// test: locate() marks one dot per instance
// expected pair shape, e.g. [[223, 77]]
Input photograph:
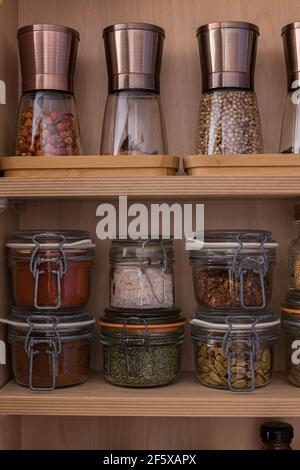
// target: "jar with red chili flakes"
[[47, 123], [51, 270]]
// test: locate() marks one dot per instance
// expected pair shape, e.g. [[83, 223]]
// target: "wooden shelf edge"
[[151, 187], [187, 398]]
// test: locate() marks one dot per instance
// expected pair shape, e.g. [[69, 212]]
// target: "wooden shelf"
[[151, 187], [185, 399]]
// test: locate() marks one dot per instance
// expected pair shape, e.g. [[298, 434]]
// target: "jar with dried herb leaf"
[[233, 269], [142, 351], [290, 321], [50, 352], [142, 274], [294, 256], [234, 352]]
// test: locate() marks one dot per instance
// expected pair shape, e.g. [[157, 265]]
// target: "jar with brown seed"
[[233, 270], [234, 352]]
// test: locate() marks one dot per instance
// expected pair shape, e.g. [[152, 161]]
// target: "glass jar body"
[[133, 124], [48, 289], [290, 129], [140, 361], [142, 275], [47, 125], [229, 123], [217, 286], [294, 264], [292, 344]]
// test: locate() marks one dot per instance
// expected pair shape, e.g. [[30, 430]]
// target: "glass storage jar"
[[234, 352], [233, 270], [294, 257], [133, 122], [276, 435], [290, 129], [51, 270], [142, 275], [49, 352], [47, 123], [229, 121], [142, 351], [290, 321]]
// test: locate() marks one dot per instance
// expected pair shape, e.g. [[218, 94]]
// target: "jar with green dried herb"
[[294, 256], [290, 321], [233, 270], [234, 352], [142, 351]]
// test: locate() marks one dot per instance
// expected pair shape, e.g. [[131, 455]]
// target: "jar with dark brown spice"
[[229, 121], [233, 270], [234, 352], [49, 352]]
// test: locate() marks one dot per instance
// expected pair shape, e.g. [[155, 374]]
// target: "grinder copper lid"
[[227, 54], [48, 55], [133, 56], [291, 44]]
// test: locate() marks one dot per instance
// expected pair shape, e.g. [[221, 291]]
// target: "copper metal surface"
[[133, 56], [227, 54], [48, 55]]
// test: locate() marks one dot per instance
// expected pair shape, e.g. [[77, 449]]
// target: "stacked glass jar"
[[290, 318], [50, 331], [234, 330], [142, 332]]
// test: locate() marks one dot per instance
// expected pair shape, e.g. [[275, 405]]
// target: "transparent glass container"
[[229, 123], [290, 129], [234, 352], [290, 321], [133, 124], [47, 124], [294, 257], [234, 270], [141, 351], [142, 275]]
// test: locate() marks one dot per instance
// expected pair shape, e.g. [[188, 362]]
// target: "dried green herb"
[[143, 367]]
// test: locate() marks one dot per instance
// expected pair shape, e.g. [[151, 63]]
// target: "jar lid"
[[276, 431], [228, 24], [232, 239], [135, 322], [50, 239], [141, 248], [156, 315], [235, 322], [40, 322]]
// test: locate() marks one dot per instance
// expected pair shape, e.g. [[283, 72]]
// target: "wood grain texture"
[[160, 187], [185, 399]]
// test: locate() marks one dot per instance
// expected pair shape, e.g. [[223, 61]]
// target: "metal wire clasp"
[[145, 264], [234, 346], [256, 263], [58, 264], [137, 340], [35, 346]]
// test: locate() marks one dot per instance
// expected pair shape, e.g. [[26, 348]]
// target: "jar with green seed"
[[142, 351], [234, 352], [290, 322]]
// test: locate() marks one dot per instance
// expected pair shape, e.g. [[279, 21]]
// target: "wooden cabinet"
[[185, 415]]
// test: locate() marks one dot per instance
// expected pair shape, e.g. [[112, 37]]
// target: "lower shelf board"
[[187, 398]]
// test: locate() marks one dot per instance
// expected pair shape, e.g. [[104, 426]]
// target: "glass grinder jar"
[[133, 121], [229, 121], [47, 123], [290, 130]]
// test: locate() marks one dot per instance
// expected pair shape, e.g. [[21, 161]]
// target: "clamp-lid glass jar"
[[234, 352], [51, 270], [142, 351], [47, 123], [294, 256], [290, 322], [233, 269], [49, 352], [142, 274], [229, 120]]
